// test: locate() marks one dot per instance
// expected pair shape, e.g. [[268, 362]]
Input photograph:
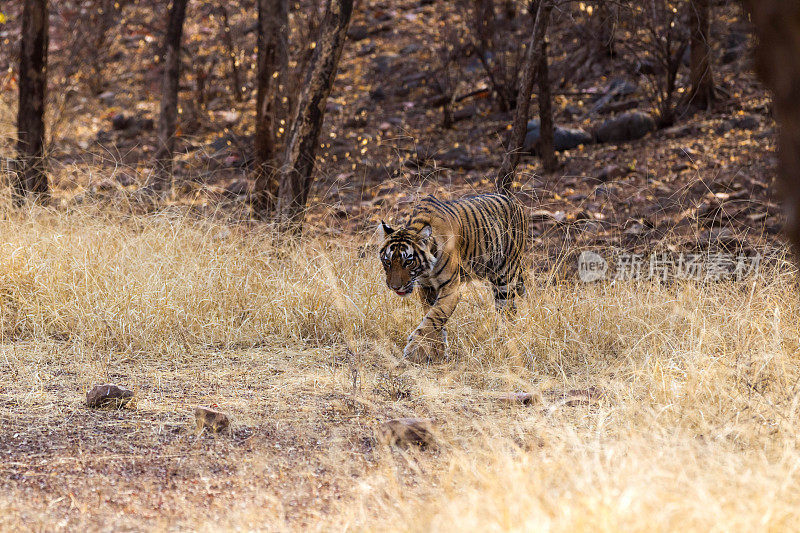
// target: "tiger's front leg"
[[429, 341]]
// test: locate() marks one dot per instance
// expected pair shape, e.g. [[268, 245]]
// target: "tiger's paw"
[[425, 348]]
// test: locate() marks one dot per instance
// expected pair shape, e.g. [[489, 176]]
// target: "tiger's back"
[[490, 233]]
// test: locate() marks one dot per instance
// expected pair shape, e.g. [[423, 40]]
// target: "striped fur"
[[446, 244]]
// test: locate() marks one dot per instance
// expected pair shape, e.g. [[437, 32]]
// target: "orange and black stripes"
[[446, 243]]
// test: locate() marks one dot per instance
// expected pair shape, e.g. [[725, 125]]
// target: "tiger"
[[445, 244]]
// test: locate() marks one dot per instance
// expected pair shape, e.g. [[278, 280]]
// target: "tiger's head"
[[407, 255]]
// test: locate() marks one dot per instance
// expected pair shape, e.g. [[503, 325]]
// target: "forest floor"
[[696, 424], [692, 424]]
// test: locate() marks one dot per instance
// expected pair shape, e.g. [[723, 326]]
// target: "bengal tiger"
[[445, 244]]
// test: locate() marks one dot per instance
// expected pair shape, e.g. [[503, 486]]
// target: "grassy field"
[[300, 344]]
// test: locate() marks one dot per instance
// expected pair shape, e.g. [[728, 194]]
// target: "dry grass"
[[300, 344]]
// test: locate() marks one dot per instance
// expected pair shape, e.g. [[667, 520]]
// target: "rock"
[[104, 185], [732, 54], [465, 112], [358, 32], [384, 64], [377, 94], [743, 122], [408, 431], [107, 97], [237, 188], [648, 67], [367, 49], [514, 398], [676, 132], [108, 395], [125, 179], [543, 215], [735, 47], [229, 118], [723, 127], [120, 122], [766, 134], [356, 122], [412, 48], [571, 111], [563, 138], [746, 122], [145, 123], [610, 172], [626, 127], [574, 397], [211, 419]]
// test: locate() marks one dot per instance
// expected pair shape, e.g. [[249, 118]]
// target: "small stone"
[[358, 32], [106, 97], [377, 94], [676, 132], [237, 188], [747, 122], [513, 398], [211, 419], [120, 122], [610, 172], [229, 118], [575, 397], [108, 395], [680, 167], [408, 431]]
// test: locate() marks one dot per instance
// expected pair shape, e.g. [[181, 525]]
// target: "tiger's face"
[[406, 257]]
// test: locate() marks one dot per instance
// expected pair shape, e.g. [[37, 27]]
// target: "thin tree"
[[273, 58], [702, 94], [519, 127], [777, 25], [30, 177], [296, 174], [606, 20], [546, 149], [230, 45], [168, 119]]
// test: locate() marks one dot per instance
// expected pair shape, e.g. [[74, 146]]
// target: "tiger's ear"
[[384, 230], [425, 233]]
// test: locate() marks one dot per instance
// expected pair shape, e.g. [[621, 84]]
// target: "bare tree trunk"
[[777, 25], [298, 164], [236, 84], [546, 150], [606, 21], [702, 76], [168, 120], [484, 22], [273, 58], [511, 159], [30, 177]]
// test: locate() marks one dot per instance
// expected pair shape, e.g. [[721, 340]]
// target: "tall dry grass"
[[698, 429]]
